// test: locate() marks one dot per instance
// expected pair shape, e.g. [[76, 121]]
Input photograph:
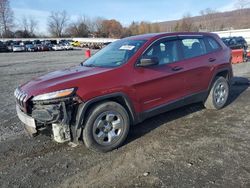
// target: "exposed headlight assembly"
[[54, 95]]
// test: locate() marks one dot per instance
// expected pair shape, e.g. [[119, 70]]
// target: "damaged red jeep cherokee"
[[123, 84]]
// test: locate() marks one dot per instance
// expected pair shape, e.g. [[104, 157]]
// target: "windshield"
[[115, 54]]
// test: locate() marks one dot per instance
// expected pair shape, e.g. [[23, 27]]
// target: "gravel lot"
[[187, 147]]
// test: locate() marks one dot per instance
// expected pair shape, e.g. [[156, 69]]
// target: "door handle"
[[211, 59], [176, 68]]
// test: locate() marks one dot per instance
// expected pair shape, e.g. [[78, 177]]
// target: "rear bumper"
[[29, 122]]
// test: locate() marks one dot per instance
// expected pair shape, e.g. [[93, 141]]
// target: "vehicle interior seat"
[[196, 49], [158, 53]]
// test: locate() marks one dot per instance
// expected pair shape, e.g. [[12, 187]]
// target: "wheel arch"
[[225, 72], [120, 98]]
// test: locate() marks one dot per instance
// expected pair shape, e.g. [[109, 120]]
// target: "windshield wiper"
[[87, 65]]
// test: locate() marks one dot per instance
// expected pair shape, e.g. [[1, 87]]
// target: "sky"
[[124, 11]]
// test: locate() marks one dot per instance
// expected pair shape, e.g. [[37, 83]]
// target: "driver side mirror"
[[145, 62]]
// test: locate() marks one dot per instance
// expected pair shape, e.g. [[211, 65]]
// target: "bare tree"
[[154, 28], [57, 23], [208, 17], [32, 25], [186, 24], [79, 28], [90, 22], [134, 28], [241, 4], [142, 27], [95, 26], [29, 25], [6, 17]]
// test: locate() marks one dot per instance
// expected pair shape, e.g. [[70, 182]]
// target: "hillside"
[[215, 21]]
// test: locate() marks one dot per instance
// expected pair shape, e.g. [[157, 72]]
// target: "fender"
[[216, 72], [81, 112]]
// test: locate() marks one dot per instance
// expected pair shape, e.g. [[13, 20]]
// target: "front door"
[[163, 83]]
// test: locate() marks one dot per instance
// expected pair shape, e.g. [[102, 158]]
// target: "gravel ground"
[[187, 147]]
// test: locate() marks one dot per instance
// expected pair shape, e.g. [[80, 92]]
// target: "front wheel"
[[218, 95], [106, 127]]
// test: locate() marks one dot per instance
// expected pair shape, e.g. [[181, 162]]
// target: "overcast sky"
[[125, 11]]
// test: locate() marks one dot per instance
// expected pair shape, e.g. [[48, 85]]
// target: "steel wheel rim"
[[108, 128], [220, 94]]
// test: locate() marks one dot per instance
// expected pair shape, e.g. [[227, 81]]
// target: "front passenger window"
[[166, 52]]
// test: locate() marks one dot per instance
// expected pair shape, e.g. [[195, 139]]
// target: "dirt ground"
[[187, 147]]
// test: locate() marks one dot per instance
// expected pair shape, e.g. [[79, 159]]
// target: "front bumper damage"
[[29, 122], [56, 116]]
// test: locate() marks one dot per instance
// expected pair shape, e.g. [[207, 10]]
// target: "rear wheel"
[[218, 95], [106, 127]]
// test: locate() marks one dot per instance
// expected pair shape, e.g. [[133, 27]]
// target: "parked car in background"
[[18, 48], [3, 47], [36, 42], [39, 47], [26, 42], [125, 83], [31, 47], [49, 45], [18, 42], [67, 46], [76, 43], [54, 42], [9, 45], [57, 47], [45, 47], [62, 42], [237, 43], [70, 41]]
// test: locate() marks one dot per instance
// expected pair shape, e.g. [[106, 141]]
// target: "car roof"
[[160, 35]]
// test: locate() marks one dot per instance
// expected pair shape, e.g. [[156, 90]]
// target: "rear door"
[[197, 63]]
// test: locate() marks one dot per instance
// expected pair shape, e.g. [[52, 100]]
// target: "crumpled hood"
[[61, 79]]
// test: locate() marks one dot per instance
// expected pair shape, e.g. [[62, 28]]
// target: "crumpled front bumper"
[[52, 118], [29, 122]]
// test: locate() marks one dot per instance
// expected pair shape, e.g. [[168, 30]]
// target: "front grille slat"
[[23, 99], [20, 97]]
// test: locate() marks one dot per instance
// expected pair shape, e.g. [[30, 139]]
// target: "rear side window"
[[212, 45], [193, 47]]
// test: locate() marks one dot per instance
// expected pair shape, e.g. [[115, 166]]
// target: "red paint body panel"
[[146, 88]]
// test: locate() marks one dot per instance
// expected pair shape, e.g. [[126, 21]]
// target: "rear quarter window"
[[212, 45]]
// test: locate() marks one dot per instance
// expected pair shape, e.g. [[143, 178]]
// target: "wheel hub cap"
[[220, 94], [108, 128]]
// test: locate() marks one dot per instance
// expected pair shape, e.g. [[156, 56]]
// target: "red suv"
[[123, 84]]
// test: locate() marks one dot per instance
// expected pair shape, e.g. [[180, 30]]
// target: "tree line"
[[59, 24]]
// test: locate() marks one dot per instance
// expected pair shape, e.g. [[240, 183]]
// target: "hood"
[[61, 79]]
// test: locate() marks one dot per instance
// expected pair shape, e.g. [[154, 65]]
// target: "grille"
[[20, 97]]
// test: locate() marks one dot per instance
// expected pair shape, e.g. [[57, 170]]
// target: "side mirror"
[[145, 62]]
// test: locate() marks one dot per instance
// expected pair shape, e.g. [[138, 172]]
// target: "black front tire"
[[99, 122]]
